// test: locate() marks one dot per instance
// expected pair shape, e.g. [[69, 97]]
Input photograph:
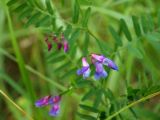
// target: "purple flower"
[[60, 43], [50, 100], [98, 58], [100, 72], [54, 110], [102, 59], [48, 44], [59, 46], [65, 43], [85, 70], [110, 64], [43, 101], [54, 100]]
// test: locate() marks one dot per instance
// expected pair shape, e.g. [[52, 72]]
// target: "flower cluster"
[[98, 61], [50, 100], [59, 42]]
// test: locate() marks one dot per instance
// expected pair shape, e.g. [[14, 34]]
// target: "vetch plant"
[[100, 86]]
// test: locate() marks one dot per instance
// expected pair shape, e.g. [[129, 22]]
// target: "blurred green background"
[[28, 71]]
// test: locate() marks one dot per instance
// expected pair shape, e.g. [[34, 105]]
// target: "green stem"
[[17, 106], [45, 78], [57, 85], [66, 91], [29, 68], [129, 63], [24, 74], [132, 104]]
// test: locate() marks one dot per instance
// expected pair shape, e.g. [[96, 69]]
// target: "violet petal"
[[54, 110], [110, 64], [100, 72], [43, 101], [54, 99]]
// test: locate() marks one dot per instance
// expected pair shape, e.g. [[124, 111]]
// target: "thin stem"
[[97, 40], [24, 74], [45, 78], [92, 34], [29, 68], [68, 90], [17, 106], [132, 104]]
